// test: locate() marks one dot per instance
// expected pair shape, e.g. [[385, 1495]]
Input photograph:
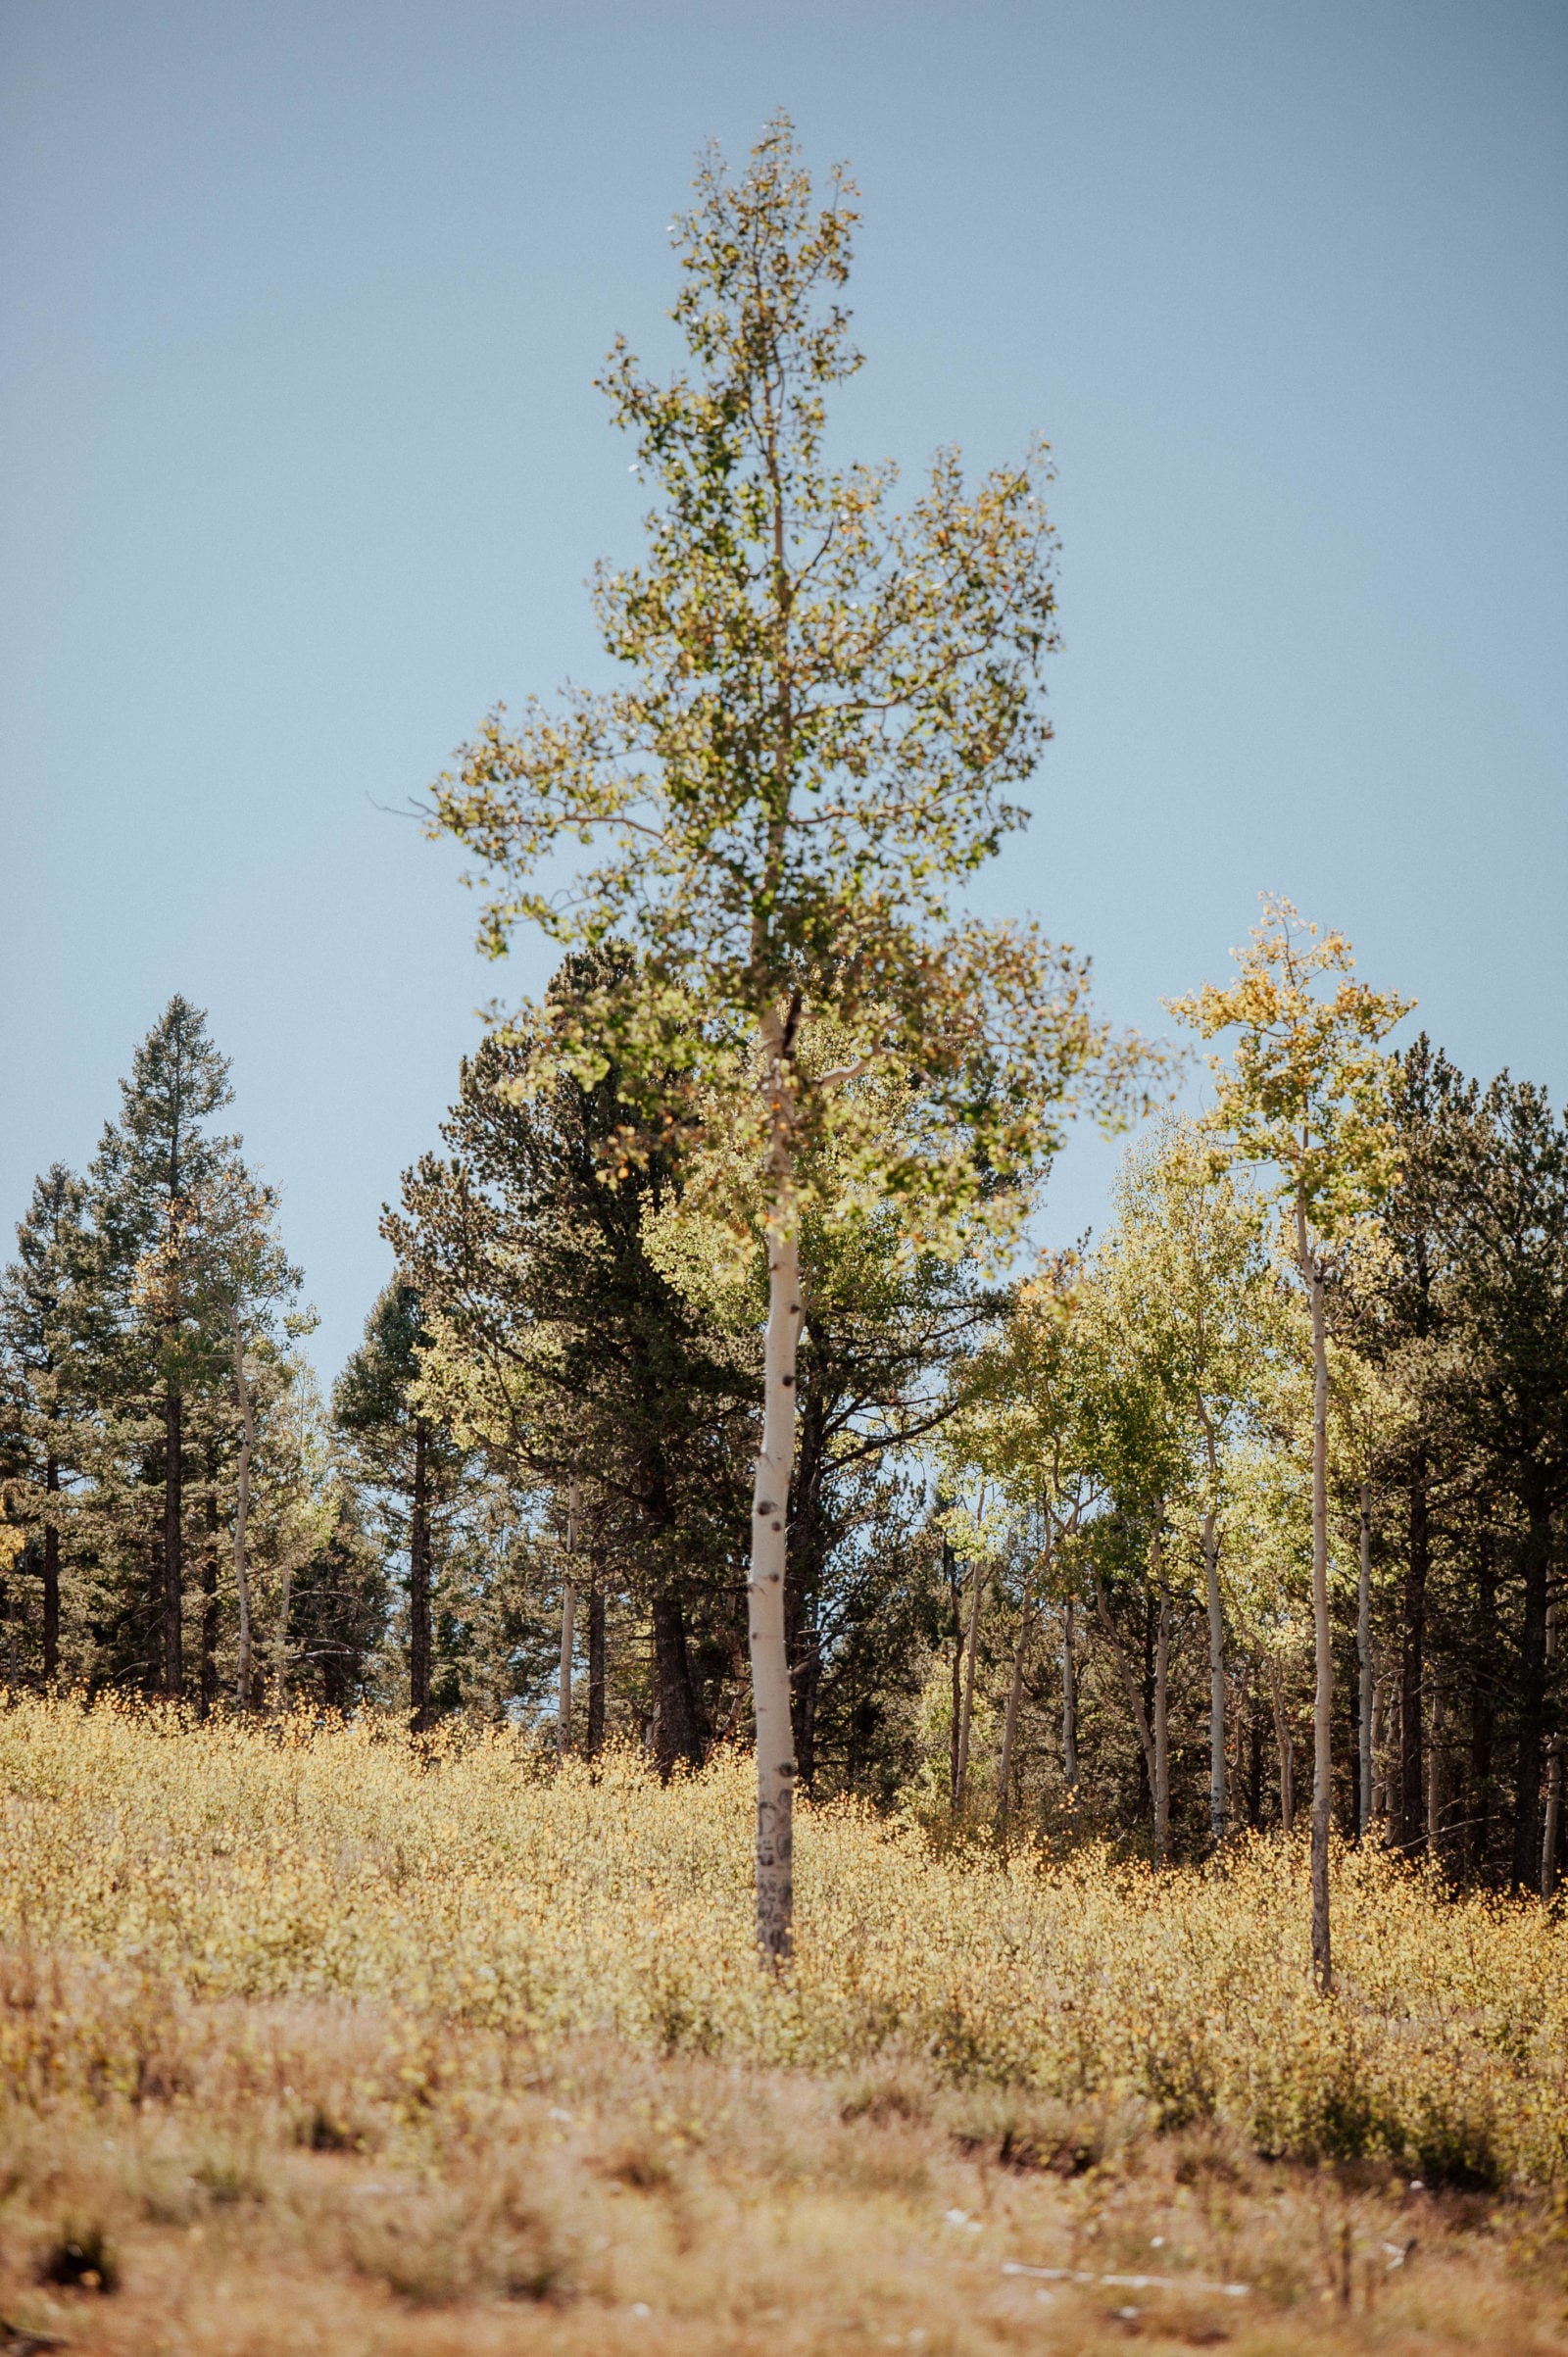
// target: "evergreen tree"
[[150, 1164], [44, 1319], [402, 1459]]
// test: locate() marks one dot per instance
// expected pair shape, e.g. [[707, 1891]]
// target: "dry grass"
[[308, 2047]]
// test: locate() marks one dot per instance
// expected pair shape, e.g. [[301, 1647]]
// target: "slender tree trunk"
[[1323, 1637], [1551, 1832], [1435, 1725], [1254, 1759], [569, 1624], [285, 1603], [1009, 1723], [1483, 1704], [1161, 1711], [1413, 1668], [242, 1503], [1532, 1690], [1134, 1700], [209, 1671], [1217, 1807], [769, 1655], [1286, 1743], [949, 1572], [51, 1577], [1379, 1781], [1069, 1700], [971, 1647], [1363, 1656], [419, 1582], [173, 1526], [596, 1657]]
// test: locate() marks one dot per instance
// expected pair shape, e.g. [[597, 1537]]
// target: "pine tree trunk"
[[1435, 1781], [1323, 1642], [1363, 1656], [419, 1582], [1413, 1668], [769, 1655], [678, 1732], [51, 1580], [1217, 1805], [174, 1527]]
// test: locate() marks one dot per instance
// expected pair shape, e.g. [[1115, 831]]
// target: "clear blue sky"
[[301, 468]]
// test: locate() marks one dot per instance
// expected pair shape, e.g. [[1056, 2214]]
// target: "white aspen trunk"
[[770, 1669], [1217, 1810], [1363, 1656], [1069, 1700], [1551, 1830], [1286, 1746], [569, 1624], [972, 1643], [1379, 1797], [242, 1502], [1322, 1633], [1009, 1723]]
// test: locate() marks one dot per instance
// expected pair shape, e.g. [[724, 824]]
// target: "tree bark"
[[173, 1526], [1069, 1701], [1284, 1743], [1217, 1804], [51, 1577], [1323, 1640], [1412, 1667], [1483, 1704], [1552, 1832], [971, 1647], [1161, 1711], [1134, 1700], [569, 1624], [769, 1654], [678, 1733], [1009, 1723], [1363, 1656], [596, 1658], [419, 1582], [209, 1670], [1532, 1689], [242, 1501]]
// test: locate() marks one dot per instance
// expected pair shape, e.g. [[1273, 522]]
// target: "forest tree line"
[[1048, 1538]]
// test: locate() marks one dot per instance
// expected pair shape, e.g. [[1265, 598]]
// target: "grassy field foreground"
[[311, 2045]]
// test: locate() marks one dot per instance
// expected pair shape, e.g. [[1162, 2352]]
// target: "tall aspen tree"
[[824, 706], [1309, 1096]]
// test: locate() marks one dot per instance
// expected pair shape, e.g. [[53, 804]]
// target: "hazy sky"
[[301, 468]]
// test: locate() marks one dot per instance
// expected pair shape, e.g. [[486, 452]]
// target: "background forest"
[[1050, 1536]]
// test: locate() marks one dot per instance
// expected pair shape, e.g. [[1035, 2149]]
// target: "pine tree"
[[44, 1318], [149, 1165], [404, 1462]]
